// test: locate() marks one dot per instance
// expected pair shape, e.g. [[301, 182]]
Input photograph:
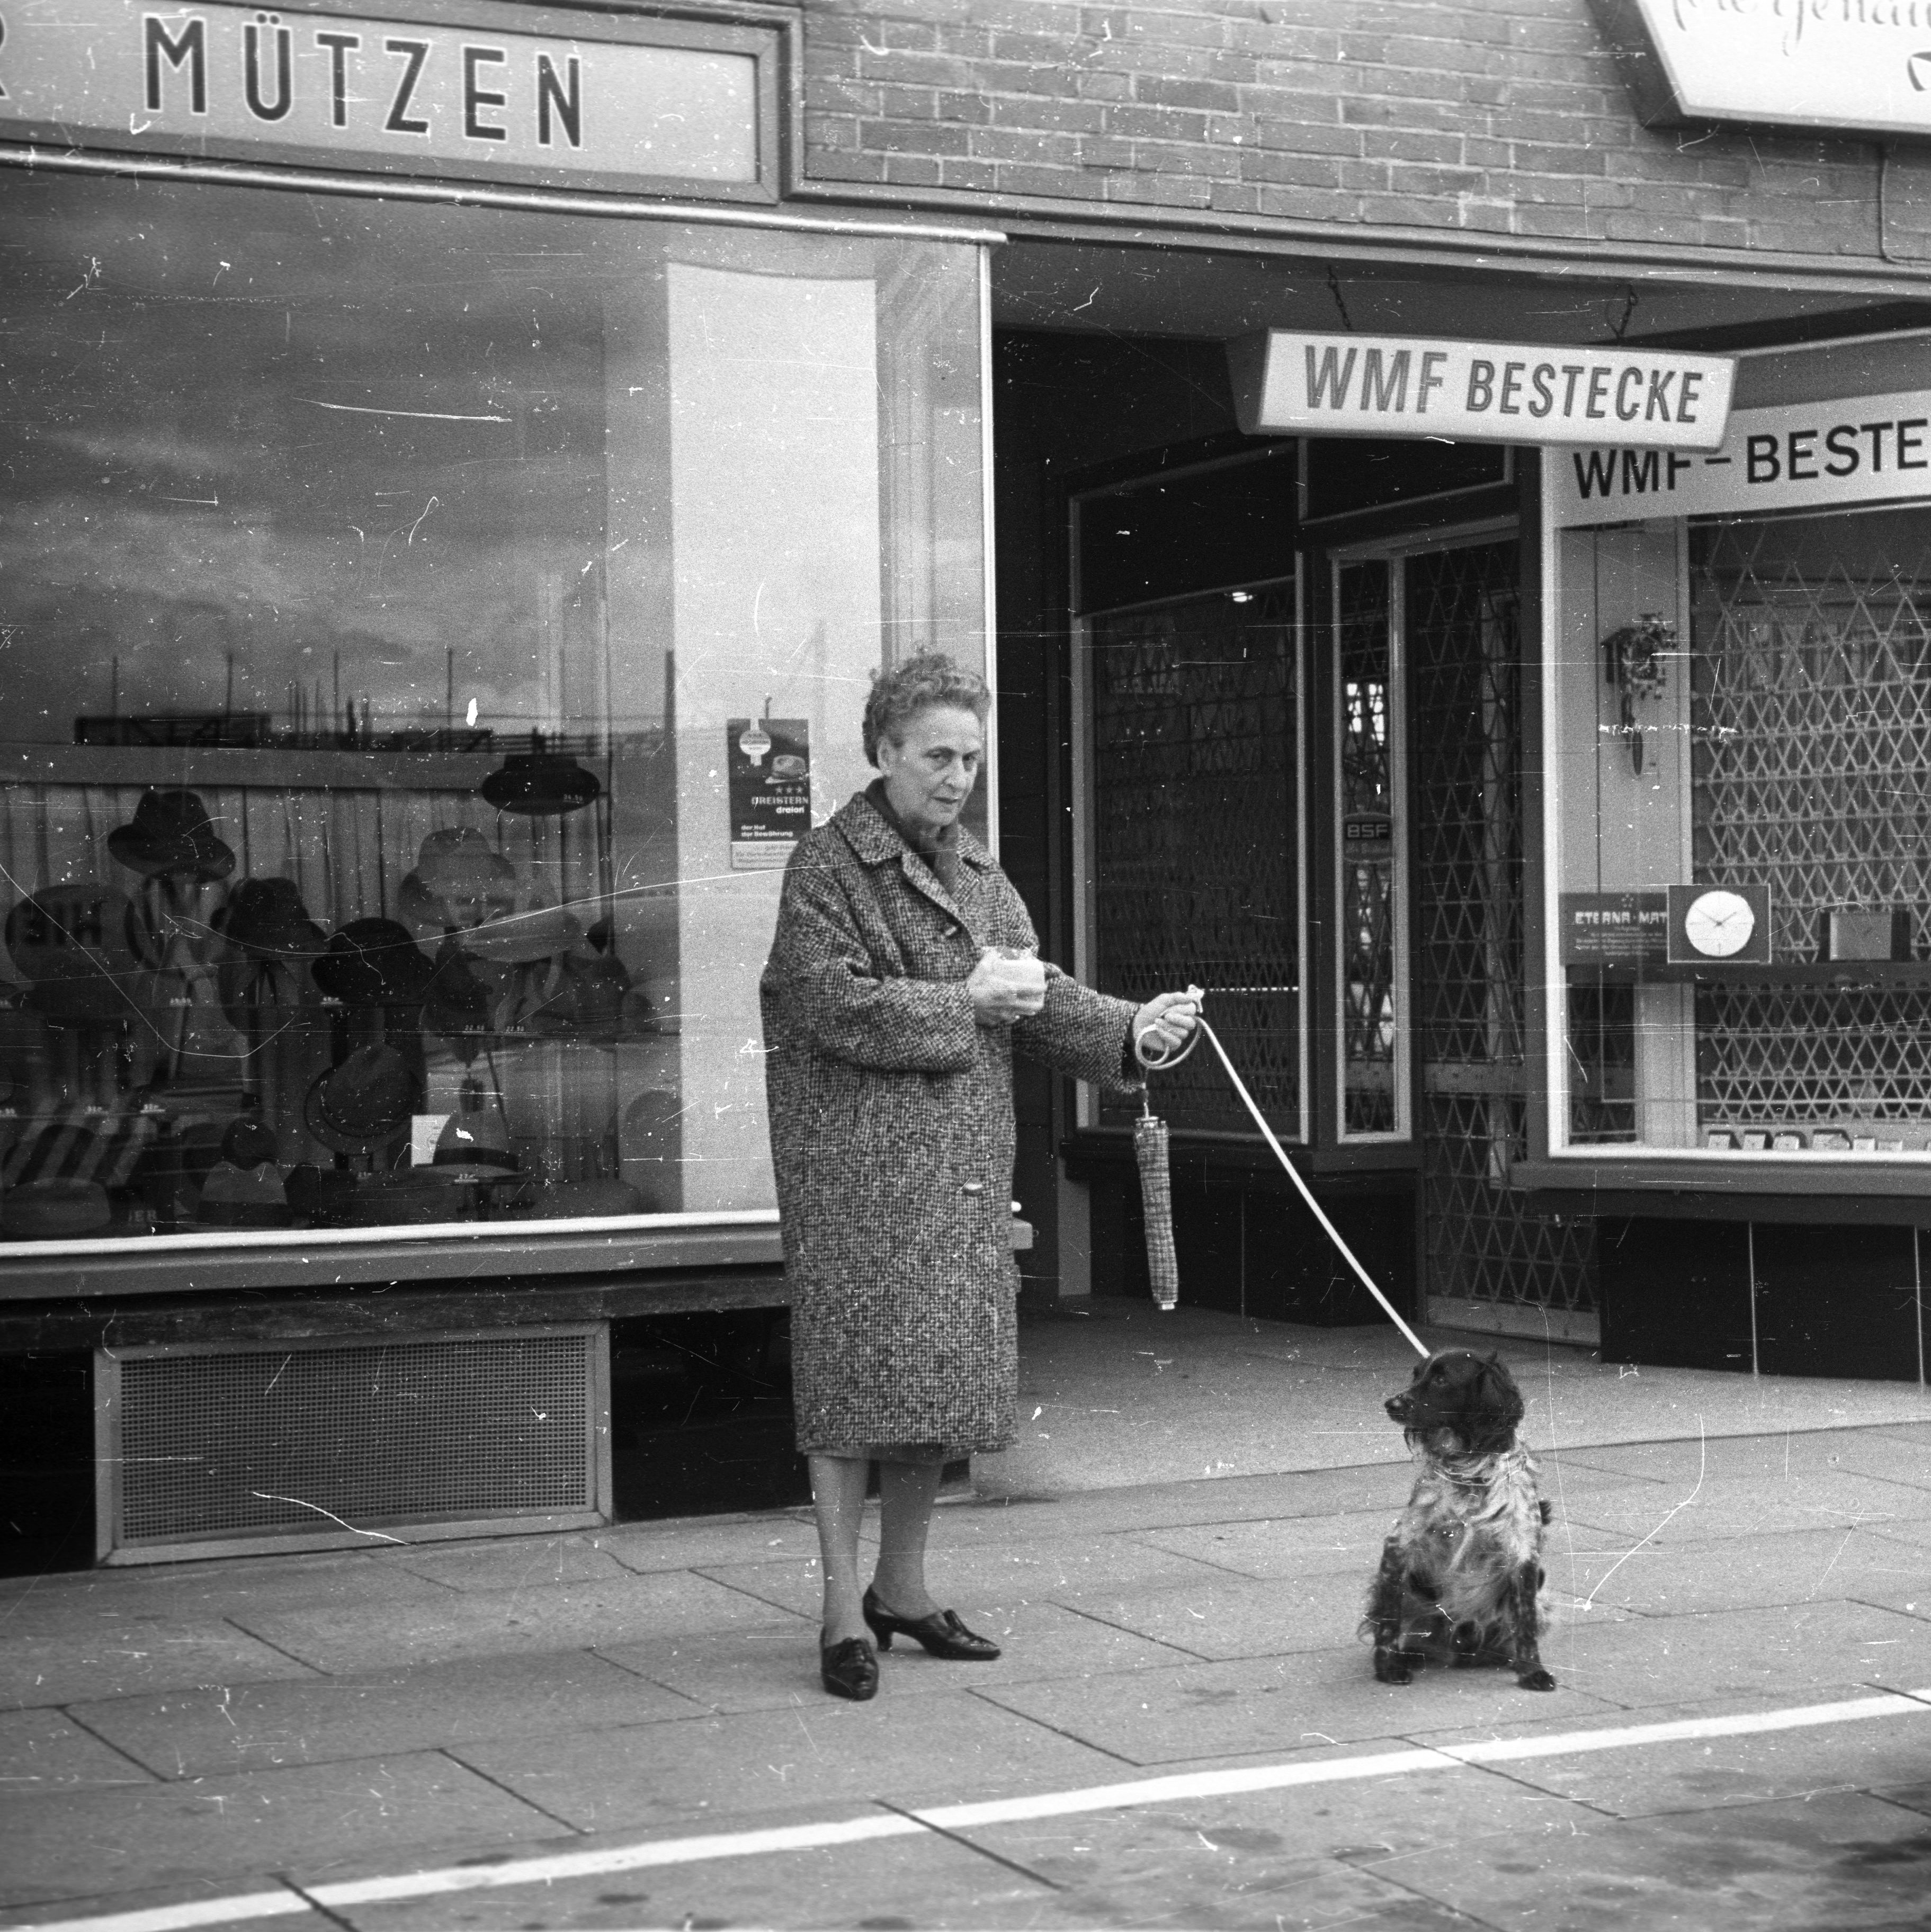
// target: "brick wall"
[[1501, 118]]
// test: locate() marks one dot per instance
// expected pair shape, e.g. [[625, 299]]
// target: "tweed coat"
[[891, 1133]]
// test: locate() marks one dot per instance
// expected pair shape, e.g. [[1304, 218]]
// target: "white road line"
[[559, 1866]]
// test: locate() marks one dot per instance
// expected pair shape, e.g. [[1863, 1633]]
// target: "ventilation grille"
[[303, 1438]]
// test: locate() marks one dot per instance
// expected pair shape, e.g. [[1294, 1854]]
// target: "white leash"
[[1159, 1058]]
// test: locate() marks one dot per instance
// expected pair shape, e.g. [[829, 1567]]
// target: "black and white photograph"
[[965, 965]]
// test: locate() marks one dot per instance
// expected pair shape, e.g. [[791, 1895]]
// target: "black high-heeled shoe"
[[942, 1633], [849, 1668]]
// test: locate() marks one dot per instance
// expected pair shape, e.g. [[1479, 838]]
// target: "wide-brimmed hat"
[[473, 1147], [539, 784], [373, 962], [364, 1103], [265, 919], [533, 928], [79, 946], [457, 867], [172, 832]]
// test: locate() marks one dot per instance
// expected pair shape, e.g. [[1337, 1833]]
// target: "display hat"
[[373, 962], [79, 945], [473, 1147], [265, 919], [171, 832], [364, 1103], [244, 1197], [54, 1210], [539, 784], [460, 879], [534, 927]]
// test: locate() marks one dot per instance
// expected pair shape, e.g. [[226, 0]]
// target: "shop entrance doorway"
[[1449, 615], [1487, 1260]]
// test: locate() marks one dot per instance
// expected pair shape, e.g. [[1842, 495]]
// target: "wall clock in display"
[[1719, 925]]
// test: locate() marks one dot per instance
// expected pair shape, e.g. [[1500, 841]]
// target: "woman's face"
[[932, 767]]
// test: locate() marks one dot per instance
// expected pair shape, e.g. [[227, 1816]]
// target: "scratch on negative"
[[426, 415], [269, 1496]]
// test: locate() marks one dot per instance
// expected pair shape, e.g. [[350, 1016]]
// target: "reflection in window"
[[368, 703], [1369, 1028]]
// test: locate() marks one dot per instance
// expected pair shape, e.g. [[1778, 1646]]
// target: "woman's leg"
[[906, 1493], [837, 1494]]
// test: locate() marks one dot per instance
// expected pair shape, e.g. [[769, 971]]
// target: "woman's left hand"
[[1164, 1022]]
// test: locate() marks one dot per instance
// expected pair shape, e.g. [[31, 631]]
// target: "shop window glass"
[[424, 630], [1778, 759]]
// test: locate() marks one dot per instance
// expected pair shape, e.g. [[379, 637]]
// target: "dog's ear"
[[1500, 1397]]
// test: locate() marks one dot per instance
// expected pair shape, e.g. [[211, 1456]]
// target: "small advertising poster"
[[1625, 929], [769, 762]]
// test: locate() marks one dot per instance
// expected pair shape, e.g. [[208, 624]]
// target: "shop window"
[[1190, 863], [1745, 884], [1369, 852], [426, 630]]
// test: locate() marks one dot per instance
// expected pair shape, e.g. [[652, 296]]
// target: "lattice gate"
[[1481, 1246], [1811, 738]]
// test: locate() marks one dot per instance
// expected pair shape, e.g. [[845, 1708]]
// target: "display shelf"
[[221, 767], [1906, 973]]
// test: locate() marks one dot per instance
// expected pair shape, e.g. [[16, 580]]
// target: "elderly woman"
[[901, 978]]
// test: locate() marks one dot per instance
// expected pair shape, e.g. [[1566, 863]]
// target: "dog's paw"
[[1391, 1667], [1536, 1680]]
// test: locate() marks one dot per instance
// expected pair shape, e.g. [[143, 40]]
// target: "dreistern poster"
[[769, 762]]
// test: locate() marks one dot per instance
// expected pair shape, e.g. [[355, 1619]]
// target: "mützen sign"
[[602, 110], [1287, 383]]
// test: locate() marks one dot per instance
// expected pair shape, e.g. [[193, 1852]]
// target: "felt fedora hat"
[[373, 962], [364, 1103], [535, 927], [459, 881], [265, 919], [171, 832], [539, 784], [473, 1147]]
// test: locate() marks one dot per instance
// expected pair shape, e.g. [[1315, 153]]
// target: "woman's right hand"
[[1004, 989]]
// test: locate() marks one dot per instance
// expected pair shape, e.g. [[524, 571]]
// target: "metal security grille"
[[1196, 815], [1464, 647], [249, 1443], [1811, 731]]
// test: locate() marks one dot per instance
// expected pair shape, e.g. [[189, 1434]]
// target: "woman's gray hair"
[[930, 681]]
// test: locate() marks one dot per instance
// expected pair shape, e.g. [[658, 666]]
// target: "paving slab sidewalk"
[[266, 1727]]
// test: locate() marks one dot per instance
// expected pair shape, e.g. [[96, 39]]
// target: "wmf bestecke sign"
[[1285, 382]]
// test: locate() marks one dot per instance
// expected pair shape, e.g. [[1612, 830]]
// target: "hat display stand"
[[560, 1104], [171, 846], [269, 944]]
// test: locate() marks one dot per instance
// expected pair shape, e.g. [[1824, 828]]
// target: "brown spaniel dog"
[[1460, 1576]]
